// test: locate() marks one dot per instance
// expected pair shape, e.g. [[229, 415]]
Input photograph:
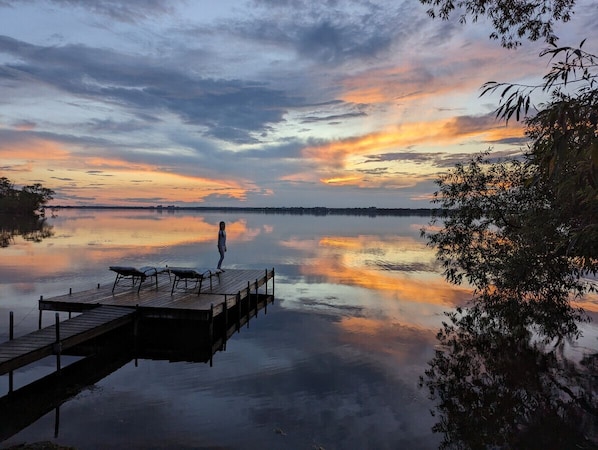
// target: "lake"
[[334, 364]]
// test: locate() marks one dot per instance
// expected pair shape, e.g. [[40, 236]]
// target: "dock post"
[[135, 323], [56, 421], [211, 332], [225, 306], [39, 322], [11, 336], [57, 348], [249, 300], [238, 301], [257, 295], [136, 333]]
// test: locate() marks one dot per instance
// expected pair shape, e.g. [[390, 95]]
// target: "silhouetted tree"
[[511, 19], [524, 233], [29, 200]]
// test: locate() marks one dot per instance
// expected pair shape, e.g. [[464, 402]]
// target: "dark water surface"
[[334, 363]]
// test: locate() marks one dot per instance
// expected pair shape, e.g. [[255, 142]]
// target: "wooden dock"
[[226, 299], [61, 336], [216, 296]]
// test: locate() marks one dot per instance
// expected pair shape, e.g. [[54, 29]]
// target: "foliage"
[[503, 233], [29, 200], [576, 68], [527, 231], [524, 233], [511, 19], [564, 150]]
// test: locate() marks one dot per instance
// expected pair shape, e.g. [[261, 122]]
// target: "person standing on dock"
[[221, 244]]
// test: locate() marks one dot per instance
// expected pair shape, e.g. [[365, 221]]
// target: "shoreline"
[[297, 210]]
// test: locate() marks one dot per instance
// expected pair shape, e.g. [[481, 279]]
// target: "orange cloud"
[[385, 85], [106, 180], [33, 150], [359, 161], [437, 133], [341, 180], [413, 80]]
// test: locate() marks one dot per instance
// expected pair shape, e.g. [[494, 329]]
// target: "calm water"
[[334, 363]]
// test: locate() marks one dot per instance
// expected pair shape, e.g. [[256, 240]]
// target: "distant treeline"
[[296, 210]]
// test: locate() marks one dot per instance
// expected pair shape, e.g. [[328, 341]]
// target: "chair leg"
[[200, 279], [141, 280], [115, 281], [174, 283]]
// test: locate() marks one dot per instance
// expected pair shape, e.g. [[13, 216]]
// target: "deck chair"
[[184, 274], [134, 274]]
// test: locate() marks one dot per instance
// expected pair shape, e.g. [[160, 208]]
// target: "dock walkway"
[[222, 293], [50, 340], [105, 309]]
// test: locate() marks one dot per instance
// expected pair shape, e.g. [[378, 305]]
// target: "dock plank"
[[38, 344], [106, 308], [225, 286]]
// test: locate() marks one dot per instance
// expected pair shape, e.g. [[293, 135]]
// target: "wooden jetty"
[[60, 336], [226, 299], [112, 327]]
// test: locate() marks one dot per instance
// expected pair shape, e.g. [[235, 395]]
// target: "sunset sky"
[[252, 103]]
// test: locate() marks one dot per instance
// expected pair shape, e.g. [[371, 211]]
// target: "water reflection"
[[359, 302], [497, 387], [148, 339], [29, 227]]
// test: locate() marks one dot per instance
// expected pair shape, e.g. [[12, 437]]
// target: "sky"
[[261, 103]]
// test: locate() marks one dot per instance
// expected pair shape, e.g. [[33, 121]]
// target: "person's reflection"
[[495, 387]]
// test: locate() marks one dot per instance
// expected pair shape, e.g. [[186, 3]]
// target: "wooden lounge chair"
[[134, 274], [194, 275]]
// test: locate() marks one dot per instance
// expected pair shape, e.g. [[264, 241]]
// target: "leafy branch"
[[577, 66]]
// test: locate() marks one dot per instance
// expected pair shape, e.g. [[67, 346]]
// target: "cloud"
[[329, 33], [333, 118], [231, 110], [485, 128], [130, 11]]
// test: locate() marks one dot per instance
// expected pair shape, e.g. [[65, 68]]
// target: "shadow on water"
[[498, 387], [30, 227], [153, 339]]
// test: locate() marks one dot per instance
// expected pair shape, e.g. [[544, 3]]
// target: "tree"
[[29, 200], [565, 131], [35, 197], [511, 19], [503, 233], [527, 230], [524, 233]]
